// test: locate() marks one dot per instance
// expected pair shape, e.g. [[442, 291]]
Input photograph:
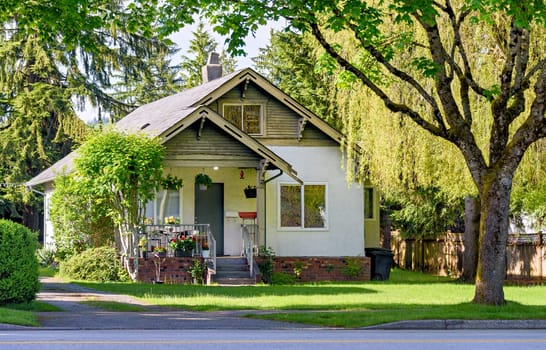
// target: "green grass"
[[406, 296], [23, 314], [47, 271], [114, 306], [17, 317]]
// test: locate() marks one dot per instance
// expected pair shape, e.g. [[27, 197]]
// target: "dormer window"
[[247, 117]]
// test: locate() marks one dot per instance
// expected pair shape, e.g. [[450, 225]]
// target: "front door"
[[209, 209]]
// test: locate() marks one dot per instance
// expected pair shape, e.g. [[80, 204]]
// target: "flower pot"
[[205, 253], [203, 187], [250, 192], [179, 253]]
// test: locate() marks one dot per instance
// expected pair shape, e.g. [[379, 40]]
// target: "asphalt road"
[[301, 339]]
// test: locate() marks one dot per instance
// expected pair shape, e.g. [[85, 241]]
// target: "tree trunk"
[[495, 205], [471, 236]]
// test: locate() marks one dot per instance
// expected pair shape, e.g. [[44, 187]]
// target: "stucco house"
[[242, 131]]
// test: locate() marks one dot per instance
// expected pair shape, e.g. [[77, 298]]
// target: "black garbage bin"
[[382, 261]]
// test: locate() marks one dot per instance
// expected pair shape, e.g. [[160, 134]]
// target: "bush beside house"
[[18, 264]]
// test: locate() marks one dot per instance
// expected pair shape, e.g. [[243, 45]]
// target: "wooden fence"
[[525, 255]]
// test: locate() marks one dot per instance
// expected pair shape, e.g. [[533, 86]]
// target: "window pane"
[[314, 205], [368, 203], [163, 206], [252, 119], [233, 113], [290, 206]]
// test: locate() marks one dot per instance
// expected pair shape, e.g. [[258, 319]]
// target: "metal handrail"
[[249, 238]]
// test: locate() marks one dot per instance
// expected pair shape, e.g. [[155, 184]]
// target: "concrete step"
[[233, 270], [232, 281], [232, 274]]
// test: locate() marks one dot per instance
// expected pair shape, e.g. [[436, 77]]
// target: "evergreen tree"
[[55, 57], [201, 45]]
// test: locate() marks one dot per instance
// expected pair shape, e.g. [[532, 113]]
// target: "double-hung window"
[[247, 117], [303, 207]]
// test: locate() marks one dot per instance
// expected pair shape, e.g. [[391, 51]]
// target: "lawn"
[[406, 296]]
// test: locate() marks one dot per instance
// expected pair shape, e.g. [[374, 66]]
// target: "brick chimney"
[[213, 69]]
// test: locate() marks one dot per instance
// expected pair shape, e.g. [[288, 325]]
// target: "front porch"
[[160, 262]]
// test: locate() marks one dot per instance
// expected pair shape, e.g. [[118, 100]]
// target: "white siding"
[[344, 235]]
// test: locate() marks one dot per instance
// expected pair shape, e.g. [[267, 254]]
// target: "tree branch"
[[389, 103]]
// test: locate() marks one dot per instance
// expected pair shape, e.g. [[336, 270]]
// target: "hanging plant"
[[250, 191], [203, 180], [170, 182]]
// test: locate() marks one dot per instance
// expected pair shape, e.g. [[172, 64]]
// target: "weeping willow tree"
[[398, 38], [54, 57]]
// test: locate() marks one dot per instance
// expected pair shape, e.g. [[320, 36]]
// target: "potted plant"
[[205, 252], [182, 246], [160, 251], [203, 180], [250, 191], [143, 246], [198, 271], [172, 183]]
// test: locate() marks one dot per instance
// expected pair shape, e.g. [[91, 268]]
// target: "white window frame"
[[156, 219], [262, 106], [302, 209]]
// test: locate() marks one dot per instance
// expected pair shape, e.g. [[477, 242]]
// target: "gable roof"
[[170, 115], [156, 117]]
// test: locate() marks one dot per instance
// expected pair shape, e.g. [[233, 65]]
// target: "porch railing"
[[249, 245], [161, 236]]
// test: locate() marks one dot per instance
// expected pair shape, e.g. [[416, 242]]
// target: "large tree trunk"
[[495, 205], [471, 236]]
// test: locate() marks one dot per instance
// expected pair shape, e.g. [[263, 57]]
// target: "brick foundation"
[[173, 270], [317, 269]]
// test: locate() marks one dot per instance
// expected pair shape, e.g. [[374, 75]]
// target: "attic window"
[[247, 117]]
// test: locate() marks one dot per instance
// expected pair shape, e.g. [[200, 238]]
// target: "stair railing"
[[249, 239]]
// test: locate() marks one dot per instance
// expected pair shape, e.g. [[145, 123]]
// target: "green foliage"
[[45, 256], [203, 179], [353, 268], [201, 45], [18, 264], [266, 263], [425, 212], [79, 220], [198, 271], [290, 62], [121, 172], [94, 264], [170, 182], [283, 278]]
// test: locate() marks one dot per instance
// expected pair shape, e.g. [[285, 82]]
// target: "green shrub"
[[94, 264], [45, 256], [18, 265], [283, 278]]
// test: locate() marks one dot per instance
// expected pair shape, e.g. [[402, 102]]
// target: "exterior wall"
[[344, 235], [49, 240], [280, 122]]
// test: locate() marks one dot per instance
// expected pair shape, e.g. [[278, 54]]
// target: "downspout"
[[265, 204]]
